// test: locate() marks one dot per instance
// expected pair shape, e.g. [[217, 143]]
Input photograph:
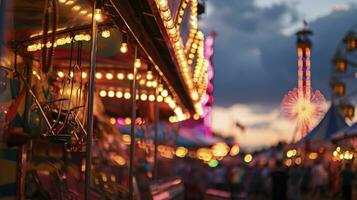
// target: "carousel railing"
[[167, 189]]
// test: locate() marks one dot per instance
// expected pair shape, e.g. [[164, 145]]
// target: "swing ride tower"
[[303, 105]]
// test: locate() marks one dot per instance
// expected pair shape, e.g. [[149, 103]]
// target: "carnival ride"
[[344, 74], [76, 74], [302, 105]]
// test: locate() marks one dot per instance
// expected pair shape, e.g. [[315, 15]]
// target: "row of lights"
[[217, 152], [181, 12], [200, 73], [127, 95], [126, 121], [193, 25], [79, 37], [65, 40], [147, 80], [342, 155], [104, 177], [164, 96], [176, 40], [207, 155], [289, 162], [78, 9]]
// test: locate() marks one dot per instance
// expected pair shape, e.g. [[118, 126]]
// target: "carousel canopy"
[[328, 126], [346, 132]]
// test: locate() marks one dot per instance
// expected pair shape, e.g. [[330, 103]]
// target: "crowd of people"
[[318, 180]]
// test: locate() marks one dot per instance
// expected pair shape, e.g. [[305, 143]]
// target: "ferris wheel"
[[344, 74]]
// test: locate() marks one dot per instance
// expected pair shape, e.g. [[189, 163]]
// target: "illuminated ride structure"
[[302, 105], [344, 74], [73, 72], [344, 89]]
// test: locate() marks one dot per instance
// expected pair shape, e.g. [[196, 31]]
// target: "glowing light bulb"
[[102, 93], [127, 121], [130, 76], [127, 95], [143, 97], [76, 8], [160, 98], [84, 75], [248, 158], [109, 76], [98, 15], [83, 12], [120, 76], [151, 97], [106, 34], [111, 94], [137, 63], [149, 75], [60, 74], [124, 47], [99, 75], [112, 120], [119, 94], [164, 93], [142, 82], [196, 116], [149, 84]]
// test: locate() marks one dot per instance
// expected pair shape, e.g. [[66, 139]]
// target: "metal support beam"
[[90, 100], [156, 126], [132, 129]]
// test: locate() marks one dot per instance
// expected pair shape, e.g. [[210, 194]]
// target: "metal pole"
[[156, 121], [89, 116], [23, 153], [132, 129]]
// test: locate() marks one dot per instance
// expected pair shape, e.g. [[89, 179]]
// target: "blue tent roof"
[[346, 132], [332, 122]]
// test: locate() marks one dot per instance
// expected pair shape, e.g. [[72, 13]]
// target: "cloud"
[[256, 65], [261, 128], [255, 62]]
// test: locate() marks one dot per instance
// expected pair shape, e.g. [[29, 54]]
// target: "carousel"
[[93, 95]]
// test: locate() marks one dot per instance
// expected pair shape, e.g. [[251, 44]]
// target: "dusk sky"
[[255, 59]]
